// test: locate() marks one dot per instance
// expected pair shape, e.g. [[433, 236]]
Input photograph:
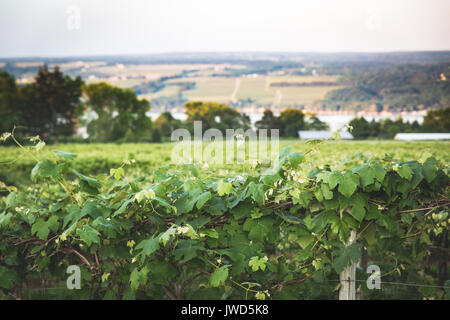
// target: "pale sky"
[[54, 27]]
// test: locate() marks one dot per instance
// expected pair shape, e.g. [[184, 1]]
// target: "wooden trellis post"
[[348, 276]]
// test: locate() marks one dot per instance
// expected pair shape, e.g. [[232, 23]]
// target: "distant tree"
[[315, 123], [291, 121], [403, 86], [166, 124], [51, 103], [437, 120], [9, 103], [268, 121], [375, 128], [390, 128], [129, 136], [156, 135], [416, 127], [215, 115], [361, 128], [120, 114]]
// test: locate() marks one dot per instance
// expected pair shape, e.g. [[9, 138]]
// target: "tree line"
[[55, 105], [392, 88], [434, 122]]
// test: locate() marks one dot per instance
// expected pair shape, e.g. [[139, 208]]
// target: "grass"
[[99, 158]]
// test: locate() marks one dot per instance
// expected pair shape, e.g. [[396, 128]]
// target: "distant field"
[[257, 89], [99, 158], [210, 89], [158, 70], [260, 89], [29, 64], [303, 79], [254, 89], [84, 65]]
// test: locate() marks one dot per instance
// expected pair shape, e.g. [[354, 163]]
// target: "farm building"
[[422, 136], [310, 135]]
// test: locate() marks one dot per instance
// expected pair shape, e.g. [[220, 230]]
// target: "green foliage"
[[166, 124], [50, 105], [215, 115], [360, 128], [292, 120], [345, 255], [179, 234], [437, 120], [10, 102], [219, 276], [314, 123], [434, 121], [120, 114], [257, 263], [398, 87], [156, 135], [289, 122]]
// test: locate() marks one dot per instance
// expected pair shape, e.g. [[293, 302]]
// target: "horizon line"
[[213, 52]]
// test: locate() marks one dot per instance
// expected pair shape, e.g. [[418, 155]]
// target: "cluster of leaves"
[[179, 235], [120, 114]]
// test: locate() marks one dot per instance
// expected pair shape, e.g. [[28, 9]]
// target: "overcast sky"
[[94, 27]]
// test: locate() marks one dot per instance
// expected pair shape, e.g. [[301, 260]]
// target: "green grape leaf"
[[148, 246], [90, 181], [223, 188], [219, 276], [257, 263], [348, 184], [256, 191], [343, 257], [187, 250], [202, 199], [65, 155], [379, 172], [42, 228], [88, 234], [405, 171], [45, 169], [138, 277], [165, 236], [429, 169]]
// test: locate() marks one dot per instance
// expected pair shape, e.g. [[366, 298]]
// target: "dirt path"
[[278, 97], [237, 84]]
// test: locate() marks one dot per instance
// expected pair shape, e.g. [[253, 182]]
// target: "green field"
[[100, 158]]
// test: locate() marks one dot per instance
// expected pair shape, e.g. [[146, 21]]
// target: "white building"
[[422, 136], [310, 135]]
